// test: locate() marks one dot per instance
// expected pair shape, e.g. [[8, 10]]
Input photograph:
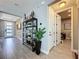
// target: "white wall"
[[2, 28], [67, 31], [41, 13], [52, 28]]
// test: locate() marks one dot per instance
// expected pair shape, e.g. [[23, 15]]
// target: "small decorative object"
[[39, 35], [25, 16], [30, 17], [32, 14]]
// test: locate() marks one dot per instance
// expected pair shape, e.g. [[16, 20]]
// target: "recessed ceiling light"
[[62, 4], [69, 14], [69, 10], [43, 2]]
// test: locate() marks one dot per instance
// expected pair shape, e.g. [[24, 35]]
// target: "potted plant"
[[39, 35]]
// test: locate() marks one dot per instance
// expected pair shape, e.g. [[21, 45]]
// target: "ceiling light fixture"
[[43, 2], [69, 10], [62, 4], [69, 14]]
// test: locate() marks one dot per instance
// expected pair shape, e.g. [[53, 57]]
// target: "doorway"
[[66, 27], [62, 19]]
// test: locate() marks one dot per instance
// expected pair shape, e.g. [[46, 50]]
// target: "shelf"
[[29, 46], [30, 20], [30, 26]]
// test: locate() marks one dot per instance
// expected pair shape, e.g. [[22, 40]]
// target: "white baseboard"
[[75, 51], [45, 52]]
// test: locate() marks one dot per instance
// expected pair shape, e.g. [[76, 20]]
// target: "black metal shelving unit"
[[29, 28]]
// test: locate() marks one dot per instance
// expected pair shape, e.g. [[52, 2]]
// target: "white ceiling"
[[8, 17], [69, 3], [65, 14], [19, 7]]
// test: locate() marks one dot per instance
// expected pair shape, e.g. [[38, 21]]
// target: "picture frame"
[[67, 26]]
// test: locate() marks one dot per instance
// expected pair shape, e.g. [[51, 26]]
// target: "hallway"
[[12, 48]]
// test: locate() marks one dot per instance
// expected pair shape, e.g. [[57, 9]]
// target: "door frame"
[[57, 28], [71, 24]]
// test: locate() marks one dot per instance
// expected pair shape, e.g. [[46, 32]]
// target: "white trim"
[[71, 23], [75, 51], [77, 2], [45, 52], [78, 6], [72, 28], [63, 9]]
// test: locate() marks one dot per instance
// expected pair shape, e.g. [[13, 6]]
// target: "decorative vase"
[[38, 47], [34, 46]]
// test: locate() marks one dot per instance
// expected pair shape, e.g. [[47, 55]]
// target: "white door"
[[58, 29], [9, 29], [52, 28]]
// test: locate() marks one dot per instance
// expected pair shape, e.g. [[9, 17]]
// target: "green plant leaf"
[[39, 34]]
